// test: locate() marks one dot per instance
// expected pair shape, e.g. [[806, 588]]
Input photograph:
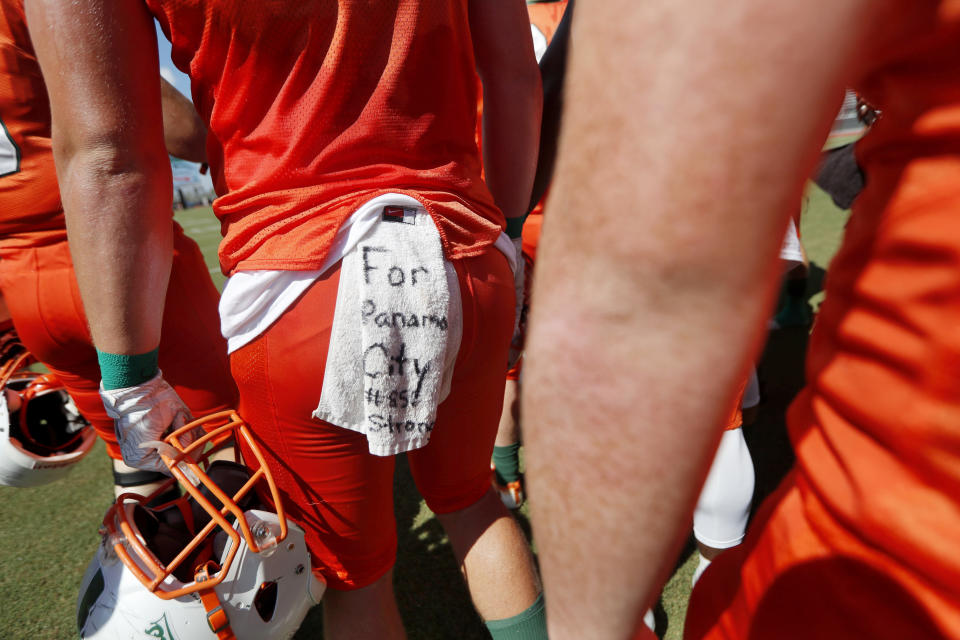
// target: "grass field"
[[48, 534]]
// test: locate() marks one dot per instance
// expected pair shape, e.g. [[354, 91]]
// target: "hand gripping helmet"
[[219, 562], [42, 435]]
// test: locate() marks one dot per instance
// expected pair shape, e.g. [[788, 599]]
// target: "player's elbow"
[[186, 138], [111, 151], [93, 172]]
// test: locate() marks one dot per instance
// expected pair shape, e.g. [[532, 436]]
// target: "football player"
[[342, 146], [36, 271], [681, 163], [545, 17]]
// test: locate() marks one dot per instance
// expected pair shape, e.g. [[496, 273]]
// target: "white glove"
[[516, 344], [141, 414]]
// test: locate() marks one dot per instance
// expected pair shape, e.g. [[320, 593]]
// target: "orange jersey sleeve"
[[30, 210]]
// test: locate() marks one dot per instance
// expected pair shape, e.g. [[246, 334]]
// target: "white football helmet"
[[220, 562], [42, 435]]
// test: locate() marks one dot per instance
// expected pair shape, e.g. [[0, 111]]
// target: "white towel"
[[396, 334]]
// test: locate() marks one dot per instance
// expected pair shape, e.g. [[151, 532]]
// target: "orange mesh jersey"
[[30, 210], [316, 106], [545, 16], [862, 540]]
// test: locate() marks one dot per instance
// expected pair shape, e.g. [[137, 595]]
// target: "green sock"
[[507, 462], [529, 625], [793, 314]]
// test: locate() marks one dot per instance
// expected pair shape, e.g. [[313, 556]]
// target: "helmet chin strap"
[[216, 616]]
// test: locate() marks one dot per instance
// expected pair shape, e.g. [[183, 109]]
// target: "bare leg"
[[506, 452], [370, 612], [494, 557], [707, 555], [140, 489], [710, 553], [509, 430]]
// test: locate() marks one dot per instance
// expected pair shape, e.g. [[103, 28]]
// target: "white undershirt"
[[253, 300]]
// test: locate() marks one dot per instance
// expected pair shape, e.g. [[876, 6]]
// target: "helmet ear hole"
[[265, 601]]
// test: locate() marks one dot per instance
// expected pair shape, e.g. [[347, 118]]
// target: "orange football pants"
[[531, 239], [734, 414], [40, 288], [332, 486]]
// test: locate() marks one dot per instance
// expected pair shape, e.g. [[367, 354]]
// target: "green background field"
[[48, 534]]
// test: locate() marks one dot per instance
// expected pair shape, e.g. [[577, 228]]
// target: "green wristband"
[[119, 370], [515, 227]]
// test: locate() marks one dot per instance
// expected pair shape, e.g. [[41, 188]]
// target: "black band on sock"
[[797, 287], [138, 477]]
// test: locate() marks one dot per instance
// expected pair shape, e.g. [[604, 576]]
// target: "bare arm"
[[184, 134], [512, 100], [99, 59], [689, 130]]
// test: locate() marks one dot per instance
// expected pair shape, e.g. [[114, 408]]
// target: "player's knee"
[[720, 518]]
